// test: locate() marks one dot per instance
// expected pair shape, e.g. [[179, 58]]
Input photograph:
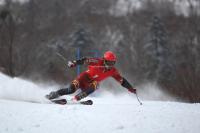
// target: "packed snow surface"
[[24, 110]]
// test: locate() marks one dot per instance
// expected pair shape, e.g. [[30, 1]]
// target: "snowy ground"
[[109, 114]]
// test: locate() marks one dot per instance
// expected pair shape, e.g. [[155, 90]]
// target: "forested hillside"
[[155, 40]]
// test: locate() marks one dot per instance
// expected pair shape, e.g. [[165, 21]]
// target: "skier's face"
[[109, 64]]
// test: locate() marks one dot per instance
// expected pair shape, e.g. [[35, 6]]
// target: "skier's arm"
[[84, 60], [81, 61], [123, 82], [77, 62], [128, 86]]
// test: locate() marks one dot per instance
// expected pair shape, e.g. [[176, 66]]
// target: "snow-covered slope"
[[109, 114]]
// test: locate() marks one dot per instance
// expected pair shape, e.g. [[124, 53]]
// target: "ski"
[[88, 102], [64, 101], [59, 101]]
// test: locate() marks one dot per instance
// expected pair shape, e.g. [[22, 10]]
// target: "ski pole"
[[138, 99], [62, 57]]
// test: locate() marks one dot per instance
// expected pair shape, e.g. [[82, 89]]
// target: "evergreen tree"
[[158, 66], [82, 40]]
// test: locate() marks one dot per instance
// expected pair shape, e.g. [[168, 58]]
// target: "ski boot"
[[52, 95]]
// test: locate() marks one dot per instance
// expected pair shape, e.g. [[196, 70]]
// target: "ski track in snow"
[[109, 114]]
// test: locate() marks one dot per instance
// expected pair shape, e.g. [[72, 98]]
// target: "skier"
[[88, 81]]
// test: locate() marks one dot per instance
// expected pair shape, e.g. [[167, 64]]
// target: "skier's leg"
[[84, 93], [71, 89]]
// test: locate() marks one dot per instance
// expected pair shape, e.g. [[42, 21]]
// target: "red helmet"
[[109, 56]]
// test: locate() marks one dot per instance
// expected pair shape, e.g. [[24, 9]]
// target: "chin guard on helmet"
[[109, 63]]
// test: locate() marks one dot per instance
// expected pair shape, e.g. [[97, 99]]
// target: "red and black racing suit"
[[88, 80]]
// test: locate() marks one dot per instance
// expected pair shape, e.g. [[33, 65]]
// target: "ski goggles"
[[109, 63]]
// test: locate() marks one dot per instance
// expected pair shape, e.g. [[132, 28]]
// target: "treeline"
[[152, 43]]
